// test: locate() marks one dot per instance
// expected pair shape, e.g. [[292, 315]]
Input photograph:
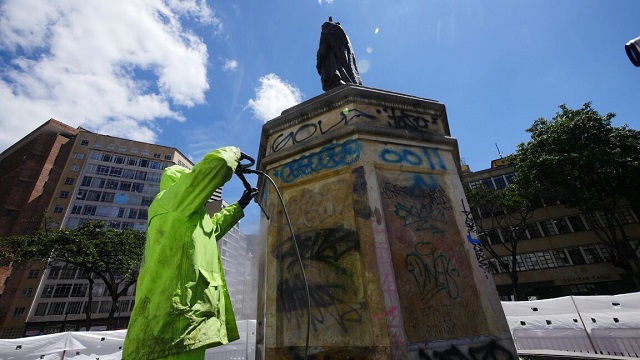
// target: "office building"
[[69, 176], [560, 253]]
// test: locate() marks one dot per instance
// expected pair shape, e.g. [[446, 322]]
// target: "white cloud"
[[327, 1], [230, 65], [111, 67], [272, 97]]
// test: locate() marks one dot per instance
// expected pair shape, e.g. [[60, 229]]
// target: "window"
[[547, 228], [592, 254], [137, 187], [500, 182], [64, 194], [47, 291], [145, 152], [62, 290], [26, 292], [562, 225], [576, 223], [112, 184], [141, 175], [143, 163], [154, 165], [116, 172], [106, 157], [58, 209], [74, 168], [68, 272], [105, 307], [134, 150], [625, 216], [142, 214], [133, 214], [154, 177], [75, 307], [111, 147], [76, 209], [56, 308], [534, 231], [41, 310], [129, 174], [122, 148], [98, 145], [94, 195], [18, 311], [89, 210], [119, 159], [84, 142], [156, 155], [86, 181], [107, 197], [69, 181], [488, 184], [33, 274], [125, 186], [167, 157], [560, 257], [146, 200], [102, 170], [78, 156], [576, 256], [54, 272], [79, 290], [531, 261], [546, 259], [95, 155]]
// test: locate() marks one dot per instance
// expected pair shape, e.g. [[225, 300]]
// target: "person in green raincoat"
[[182, 306]]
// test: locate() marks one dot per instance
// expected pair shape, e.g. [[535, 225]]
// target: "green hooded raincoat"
[[182, 301]]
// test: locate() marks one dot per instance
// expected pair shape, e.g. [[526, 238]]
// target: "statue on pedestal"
[[336, 61]]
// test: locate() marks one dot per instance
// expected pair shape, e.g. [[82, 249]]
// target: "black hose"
[[295, 243]]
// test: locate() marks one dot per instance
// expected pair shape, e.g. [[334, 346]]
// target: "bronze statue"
[[336, 62]]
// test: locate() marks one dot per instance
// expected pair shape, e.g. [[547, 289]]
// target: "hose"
[[295, 243]]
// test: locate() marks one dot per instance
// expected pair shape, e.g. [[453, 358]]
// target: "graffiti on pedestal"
[[401, 119], [477, 244], [396, 119], [489, 351], [319, 128], [331, 296], [432, 271], [416, 156], [329, 157]]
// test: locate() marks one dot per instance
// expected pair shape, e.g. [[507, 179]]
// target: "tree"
[[112, 255], [507, 211], [590, 165]]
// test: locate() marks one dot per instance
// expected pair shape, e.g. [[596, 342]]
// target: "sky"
[[198, 75]]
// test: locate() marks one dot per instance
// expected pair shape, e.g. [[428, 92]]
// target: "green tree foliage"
[[507, 211], [587, 163], [112, 255]]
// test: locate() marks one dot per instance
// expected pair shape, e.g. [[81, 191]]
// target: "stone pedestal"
[[371, 182]]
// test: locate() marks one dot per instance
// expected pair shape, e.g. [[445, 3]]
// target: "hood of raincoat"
[[171, 175]]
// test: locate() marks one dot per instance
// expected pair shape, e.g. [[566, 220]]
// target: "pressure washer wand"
[[245, 168]]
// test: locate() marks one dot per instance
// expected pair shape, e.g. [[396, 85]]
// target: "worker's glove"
[[247, 196]]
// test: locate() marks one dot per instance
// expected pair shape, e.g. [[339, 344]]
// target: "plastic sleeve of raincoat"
[[194, 188], [226, 218]]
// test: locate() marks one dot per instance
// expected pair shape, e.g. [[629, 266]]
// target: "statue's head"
[[171, 175]]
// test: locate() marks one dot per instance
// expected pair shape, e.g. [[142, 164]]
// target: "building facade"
[[95, 178], [560, 253]]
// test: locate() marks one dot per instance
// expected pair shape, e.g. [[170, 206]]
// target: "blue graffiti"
[[329, 157], [424, 156]]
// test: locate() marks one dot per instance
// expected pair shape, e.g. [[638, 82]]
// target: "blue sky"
[[197, 75]]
